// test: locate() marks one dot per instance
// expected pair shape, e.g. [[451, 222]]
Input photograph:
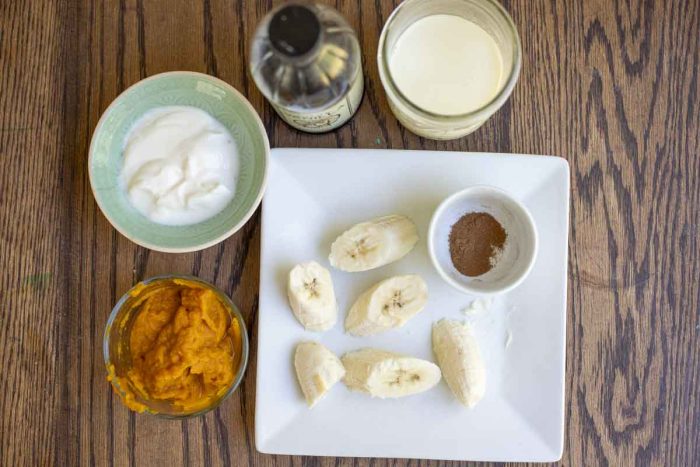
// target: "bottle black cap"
[[294, 30]]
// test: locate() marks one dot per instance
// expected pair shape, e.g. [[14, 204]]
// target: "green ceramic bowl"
[[225, 104]]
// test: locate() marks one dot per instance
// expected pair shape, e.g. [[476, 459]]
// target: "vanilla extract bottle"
[[305, 59]]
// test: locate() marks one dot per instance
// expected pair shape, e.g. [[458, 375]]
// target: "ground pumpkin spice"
[[475, 240]]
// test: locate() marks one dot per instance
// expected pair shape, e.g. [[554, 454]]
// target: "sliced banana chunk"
[[458, 355], [372, 244], [311, 296], [386, 305], [318, 369], [387, 374]]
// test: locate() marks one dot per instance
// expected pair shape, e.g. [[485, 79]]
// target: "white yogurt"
[[446, 65], [180, 165]]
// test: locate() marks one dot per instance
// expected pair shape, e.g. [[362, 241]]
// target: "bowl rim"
[[246, 217], [465, 288], [235, 312]]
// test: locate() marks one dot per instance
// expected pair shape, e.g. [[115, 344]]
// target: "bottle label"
[[329, 118]]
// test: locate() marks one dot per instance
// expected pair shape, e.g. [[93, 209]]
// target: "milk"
[[446, 65]]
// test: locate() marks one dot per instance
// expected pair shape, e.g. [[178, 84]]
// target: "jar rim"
[[486, 109]]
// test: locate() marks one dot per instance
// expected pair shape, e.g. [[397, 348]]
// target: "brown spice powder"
[[474, 239]]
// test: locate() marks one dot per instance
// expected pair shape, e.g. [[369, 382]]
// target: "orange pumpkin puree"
[[182, 348]]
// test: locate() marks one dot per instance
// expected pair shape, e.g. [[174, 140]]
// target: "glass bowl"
[[117, 354]]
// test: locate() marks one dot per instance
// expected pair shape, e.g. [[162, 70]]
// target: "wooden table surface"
[[612, 86]]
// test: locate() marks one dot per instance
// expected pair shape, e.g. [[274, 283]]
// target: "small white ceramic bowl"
[[519, 251]]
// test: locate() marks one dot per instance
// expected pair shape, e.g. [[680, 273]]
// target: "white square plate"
[[315, 194]]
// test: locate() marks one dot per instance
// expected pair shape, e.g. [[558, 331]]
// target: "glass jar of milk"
[[448, 65]]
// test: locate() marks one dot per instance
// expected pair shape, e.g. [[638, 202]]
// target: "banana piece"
[[318, 369], [387, 374], [459, 358], [372, 244], [311, 296], [388, 304]]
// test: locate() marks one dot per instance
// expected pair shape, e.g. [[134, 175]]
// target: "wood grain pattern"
[[612, 86]]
